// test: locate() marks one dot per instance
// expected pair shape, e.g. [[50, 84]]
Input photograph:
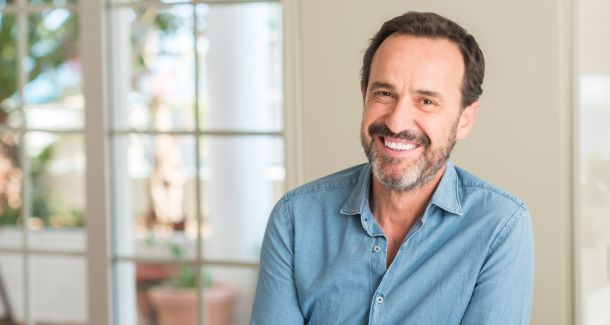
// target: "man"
[[408, 238]]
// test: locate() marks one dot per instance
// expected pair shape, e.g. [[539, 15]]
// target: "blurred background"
[[143, 144]]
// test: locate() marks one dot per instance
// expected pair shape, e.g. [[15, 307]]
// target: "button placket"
[[376, 248], [378, 262]]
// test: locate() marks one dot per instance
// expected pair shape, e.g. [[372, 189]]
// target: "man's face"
[[412, 109]]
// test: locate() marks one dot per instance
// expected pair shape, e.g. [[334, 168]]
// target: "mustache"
[[380, 129]]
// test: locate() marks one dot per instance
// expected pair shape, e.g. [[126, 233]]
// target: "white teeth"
[[398, 145]]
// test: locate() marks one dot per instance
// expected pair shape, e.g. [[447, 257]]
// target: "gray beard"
[[410, 177]]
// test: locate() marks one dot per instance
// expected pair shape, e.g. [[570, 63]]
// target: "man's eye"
[[383, 97], [426, 102]]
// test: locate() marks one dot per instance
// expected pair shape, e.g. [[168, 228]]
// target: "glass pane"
[[154, 195], [228, 295], [57, 173], [242, 178], [171, 300], [58, 290], [53, 95], [594, 137], [167, 295], [143, 290], [9, 96], [152, 68], [11, 288], [10, 191], [237, 91]]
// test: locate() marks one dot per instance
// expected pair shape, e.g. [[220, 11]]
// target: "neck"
[[396, 212]]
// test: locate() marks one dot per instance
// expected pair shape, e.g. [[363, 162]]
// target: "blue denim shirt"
[[468, 260]]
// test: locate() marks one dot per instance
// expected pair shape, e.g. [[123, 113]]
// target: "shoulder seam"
[[506, 227], [496, 191], [320, 189], [288, 219]]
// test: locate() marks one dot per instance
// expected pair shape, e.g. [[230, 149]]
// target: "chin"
[[398, 178]]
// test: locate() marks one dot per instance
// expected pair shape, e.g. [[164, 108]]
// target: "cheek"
[[372, 113], [439, 131]]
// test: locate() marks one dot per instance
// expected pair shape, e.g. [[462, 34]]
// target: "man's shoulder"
[[471, 184], [342, 180]]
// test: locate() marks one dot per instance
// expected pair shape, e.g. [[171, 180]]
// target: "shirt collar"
[[360, 194], [446, 196]]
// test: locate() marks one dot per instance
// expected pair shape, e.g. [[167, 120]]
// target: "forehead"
[[418, 59]]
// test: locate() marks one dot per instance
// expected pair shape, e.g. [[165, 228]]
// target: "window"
[[194, 126], [42, 205], [196, 149]]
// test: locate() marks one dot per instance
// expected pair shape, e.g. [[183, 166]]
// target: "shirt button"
[[376, 248], [379, 300]]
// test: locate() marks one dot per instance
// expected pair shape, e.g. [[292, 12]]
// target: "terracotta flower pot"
[[179, 305], [147, 276]]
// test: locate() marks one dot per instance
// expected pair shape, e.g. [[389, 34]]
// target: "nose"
[[402, 116]]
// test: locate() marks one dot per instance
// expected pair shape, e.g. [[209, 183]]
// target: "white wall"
[[521, 140]]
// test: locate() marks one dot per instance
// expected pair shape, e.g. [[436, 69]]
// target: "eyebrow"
[[381, 84], [430, 93]]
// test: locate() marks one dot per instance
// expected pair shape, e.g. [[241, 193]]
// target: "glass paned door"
[[197, 155]]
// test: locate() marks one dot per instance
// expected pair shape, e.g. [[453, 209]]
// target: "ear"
[[467, 119]]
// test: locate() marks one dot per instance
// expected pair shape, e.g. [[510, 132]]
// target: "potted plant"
[[175, 301]]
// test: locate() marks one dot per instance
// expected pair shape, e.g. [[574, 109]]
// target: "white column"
[[238, 79], [122, 217]]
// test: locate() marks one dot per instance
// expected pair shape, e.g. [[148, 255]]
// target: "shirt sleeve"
[[275, 301], [503, 291]]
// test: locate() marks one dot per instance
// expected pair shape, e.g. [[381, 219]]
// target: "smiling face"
[[412, 110]]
